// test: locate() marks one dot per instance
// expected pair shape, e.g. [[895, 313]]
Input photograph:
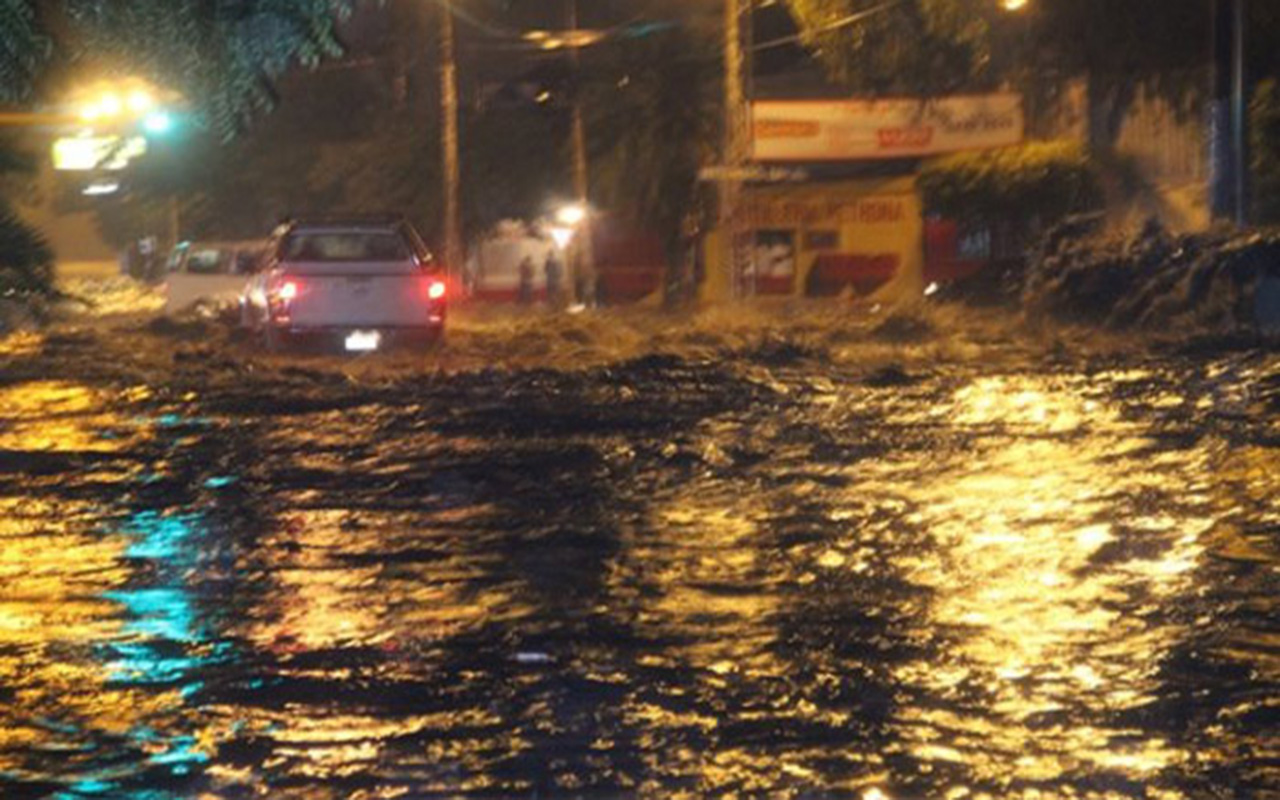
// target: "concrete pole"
[[449, 142], [1240, 109], [584, 286], [1229, 114]]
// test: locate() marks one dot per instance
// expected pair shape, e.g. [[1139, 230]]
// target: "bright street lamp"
[[158, 123], [1013, 5], [141, 101], [571, 215]]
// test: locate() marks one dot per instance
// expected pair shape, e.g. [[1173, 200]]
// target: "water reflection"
[[1064, 543], [100, 639], [998, 585]]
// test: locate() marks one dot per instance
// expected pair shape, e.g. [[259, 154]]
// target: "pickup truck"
[[361, 285]]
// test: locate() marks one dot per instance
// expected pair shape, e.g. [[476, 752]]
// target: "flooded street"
[[767, 572]]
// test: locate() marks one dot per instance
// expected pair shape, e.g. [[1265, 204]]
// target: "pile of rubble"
[[1223, 281]]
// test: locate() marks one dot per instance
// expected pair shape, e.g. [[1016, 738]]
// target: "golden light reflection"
[[1040, 539], [709, 588], [325, 572], [54, 573], [22, 343], [79, 660], [54, 416]]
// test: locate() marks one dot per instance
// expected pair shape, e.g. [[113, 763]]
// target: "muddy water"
[[764, 574]]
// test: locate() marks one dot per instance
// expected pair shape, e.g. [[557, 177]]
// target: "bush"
[[1154, 280], [1029, 186], [26, 262]]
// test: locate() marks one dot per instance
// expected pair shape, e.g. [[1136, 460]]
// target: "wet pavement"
[[768, 572]]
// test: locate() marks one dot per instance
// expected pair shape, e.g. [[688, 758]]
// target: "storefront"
[[856, 238], [853, 237]]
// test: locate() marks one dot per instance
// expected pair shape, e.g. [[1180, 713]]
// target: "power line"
[[844, 22]]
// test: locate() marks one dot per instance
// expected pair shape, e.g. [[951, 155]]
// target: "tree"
[[930, 47], [26, 264], [923, 47], [652, 125], [221, 56]]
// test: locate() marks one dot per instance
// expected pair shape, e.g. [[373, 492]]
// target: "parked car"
[[358, 284], [212, 272]]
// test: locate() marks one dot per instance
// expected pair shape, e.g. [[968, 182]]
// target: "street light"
[[571, 216], [158, 123], [1013, 5], [141, 101]]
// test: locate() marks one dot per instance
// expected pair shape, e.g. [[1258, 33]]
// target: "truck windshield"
[[344, 246]]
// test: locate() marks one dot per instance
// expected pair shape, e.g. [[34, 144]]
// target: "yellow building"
[[860, 238]]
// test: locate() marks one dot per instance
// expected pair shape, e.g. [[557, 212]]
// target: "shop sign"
[[854, 130]]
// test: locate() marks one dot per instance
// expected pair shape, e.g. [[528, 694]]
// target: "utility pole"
[[174, 221], [586, 266], [1240, 109], [449, 141], [1229, 114], [736, 144]]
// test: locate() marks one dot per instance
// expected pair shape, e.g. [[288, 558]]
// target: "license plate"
[[363, 341]]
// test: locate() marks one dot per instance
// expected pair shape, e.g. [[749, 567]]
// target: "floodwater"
[[672, 577]]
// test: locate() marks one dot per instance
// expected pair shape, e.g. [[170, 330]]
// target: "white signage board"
[[854, 130], [88, 153]]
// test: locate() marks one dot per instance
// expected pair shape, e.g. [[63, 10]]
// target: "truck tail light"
[[279, 296], [436, 290]]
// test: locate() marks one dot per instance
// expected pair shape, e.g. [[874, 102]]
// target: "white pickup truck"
[[360, 285]]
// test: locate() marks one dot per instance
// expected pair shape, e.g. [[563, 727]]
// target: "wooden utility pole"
[[736, 144], [449, 142], [585, 282]]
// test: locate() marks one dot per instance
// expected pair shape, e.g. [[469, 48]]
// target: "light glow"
[[561, 236], [436, 290], [141, 101], [571, 215], [158, 123], [96, 189]]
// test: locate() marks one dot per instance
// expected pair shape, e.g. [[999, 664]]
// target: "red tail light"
[[279, 296], [436, 290]]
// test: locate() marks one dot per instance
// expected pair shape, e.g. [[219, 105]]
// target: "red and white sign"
[[853, 130]]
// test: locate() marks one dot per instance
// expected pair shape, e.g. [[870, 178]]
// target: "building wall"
[[1165, 142]]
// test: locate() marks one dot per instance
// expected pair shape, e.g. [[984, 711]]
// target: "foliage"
[[219, 55], [914, 47], [651, 124], [26, 262], [23, 48], [513, 164], [930, 47], [1042, 181], [1266, 152]]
